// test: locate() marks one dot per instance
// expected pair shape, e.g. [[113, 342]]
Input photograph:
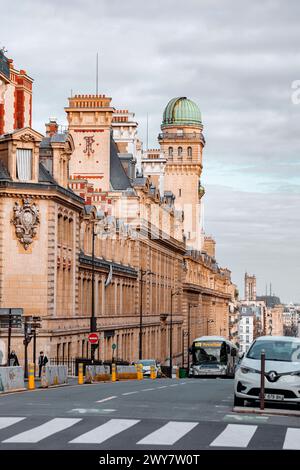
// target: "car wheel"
[[238, 401]]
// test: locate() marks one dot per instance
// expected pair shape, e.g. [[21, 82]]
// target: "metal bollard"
[[152, 372], [113, 373], [80, 374], [31, 381], [262, 379]]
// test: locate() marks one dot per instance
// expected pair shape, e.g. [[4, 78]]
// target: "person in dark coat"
[[13, 359], [42, 362]]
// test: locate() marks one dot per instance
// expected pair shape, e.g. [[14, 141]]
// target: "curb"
[[267, 411]]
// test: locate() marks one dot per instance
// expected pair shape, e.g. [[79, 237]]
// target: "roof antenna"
[[97, 74], [147, 131]]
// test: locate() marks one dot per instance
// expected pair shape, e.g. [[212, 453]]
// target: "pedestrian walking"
[[42, 362], [13, 359]]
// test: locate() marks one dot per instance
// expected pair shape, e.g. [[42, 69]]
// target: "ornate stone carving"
[[27, 138], [26, 220], [89, 145]]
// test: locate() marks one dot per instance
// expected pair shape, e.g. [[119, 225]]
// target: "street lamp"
[[176, 292], [189, 331], [142, 274]]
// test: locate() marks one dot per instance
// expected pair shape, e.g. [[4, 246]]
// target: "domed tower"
[[182, 142]]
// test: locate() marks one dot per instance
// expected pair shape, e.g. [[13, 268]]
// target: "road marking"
[[105, 431], [164, 386], [130, 393], [292, 439], [147, 389], [235, 435], [174, 385], [247, 418], [5, 422], [83, 411], [45, 430], [105, 399], [168, 434]]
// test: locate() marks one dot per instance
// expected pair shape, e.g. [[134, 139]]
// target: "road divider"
[[127, 373], [54, 375], [11, 379], [97, 374]]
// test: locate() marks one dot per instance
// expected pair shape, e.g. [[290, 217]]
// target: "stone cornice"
[[86, 260], [187, 286]]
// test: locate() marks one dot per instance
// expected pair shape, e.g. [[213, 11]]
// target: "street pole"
[[171, 336], [34, 349], [93, 325], [9, 337], [141, 319], [262, 379], [189, 333]]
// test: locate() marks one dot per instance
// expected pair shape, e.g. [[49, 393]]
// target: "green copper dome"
[[181, 111]]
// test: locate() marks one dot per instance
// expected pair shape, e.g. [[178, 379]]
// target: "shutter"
[[24, 164]]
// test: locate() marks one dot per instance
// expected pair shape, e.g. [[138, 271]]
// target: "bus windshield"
[[209, 352]]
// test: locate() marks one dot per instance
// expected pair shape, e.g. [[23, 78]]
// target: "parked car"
[[147, 363], [282, 371]]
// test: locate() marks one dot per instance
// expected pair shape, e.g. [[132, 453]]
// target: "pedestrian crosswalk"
[[138, 432]]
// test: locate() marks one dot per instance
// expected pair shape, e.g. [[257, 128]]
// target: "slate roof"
[[4, 174], [118, 178]]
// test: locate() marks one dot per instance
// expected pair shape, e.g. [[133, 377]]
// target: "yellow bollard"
[[31, 382], [80, 374], [152, 372], [113, 373], [141, 374]]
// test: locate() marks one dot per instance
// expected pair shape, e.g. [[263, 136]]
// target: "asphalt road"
[[189, 414]]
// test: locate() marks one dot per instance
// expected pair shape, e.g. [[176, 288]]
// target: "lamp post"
[[177, 292], [142, 274], [93, 320], [189, 331]]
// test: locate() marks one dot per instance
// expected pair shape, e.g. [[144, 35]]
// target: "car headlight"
[[246, 370], [297, 373]]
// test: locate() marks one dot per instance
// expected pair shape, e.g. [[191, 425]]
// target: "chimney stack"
[[51, 127]]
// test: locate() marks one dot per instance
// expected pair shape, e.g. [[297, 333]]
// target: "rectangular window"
[[24, 164], [179, 192]]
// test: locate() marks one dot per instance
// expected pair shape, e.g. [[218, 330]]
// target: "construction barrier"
[[152, 372], [140, 373], [97, 374], [54, 375], [11, 379], [126, 372]]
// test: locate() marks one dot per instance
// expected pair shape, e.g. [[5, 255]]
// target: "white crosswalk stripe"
[[5, 422], [235, 435], [168, 434], [45, 430], [292, 439], [105, 431]]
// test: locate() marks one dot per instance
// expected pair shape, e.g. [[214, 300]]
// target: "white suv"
[[282, 371]]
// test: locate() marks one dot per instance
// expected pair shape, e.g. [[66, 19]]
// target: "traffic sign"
[[114, 346], [93, 338]]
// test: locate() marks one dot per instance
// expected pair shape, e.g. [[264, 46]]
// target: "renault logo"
[[272, 376]]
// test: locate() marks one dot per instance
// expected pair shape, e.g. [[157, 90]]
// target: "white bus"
[[214, 356]]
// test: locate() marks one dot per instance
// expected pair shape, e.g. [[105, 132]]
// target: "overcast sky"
[[236, 59]]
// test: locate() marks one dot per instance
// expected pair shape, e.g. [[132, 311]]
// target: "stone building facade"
[[67, 196]]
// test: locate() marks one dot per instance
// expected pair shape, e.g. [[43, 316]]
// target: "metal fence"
[[70, 362]]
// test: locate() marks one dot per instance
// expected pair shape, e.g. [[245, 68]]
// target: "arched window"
[[170, 151], [189, 151], [179, 151]]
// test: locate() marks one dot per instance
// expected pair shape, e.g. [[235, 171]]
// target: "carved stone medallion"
[[26, 220]]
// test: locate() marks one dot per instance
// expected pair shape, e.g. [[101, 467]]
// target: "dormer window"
[[24, 164]]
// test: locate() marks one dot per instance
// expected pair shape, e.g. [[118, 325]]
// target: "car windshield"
[[147, 362], [277, 350]]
